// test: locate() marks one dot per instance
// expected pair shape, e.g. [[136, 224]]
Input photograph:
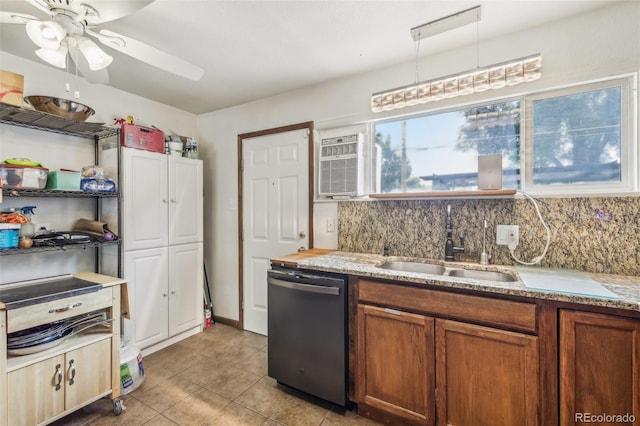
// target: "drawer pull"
[[72, 371], [65, 308], [58, 376], [393, 311]]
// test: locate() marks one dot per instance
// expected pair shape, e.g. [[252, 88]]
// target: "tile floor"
[[219, 378]]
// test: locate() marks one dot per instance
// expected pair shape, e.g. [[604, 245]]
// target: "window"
[[579, 140], [439, 152]]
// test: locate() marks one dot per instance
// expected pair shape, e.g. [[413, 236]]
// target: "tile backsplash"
[[587, 234]]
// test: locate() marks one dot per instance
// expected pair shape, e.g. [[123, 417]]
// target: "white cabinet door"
[[146, 272], [185, 287], [145, 199], [185, 200]]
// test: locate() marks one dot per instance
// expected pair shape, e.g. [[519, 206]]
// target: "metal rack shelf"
[[58, 193], [11, 114], [94, 132], [60, 248]]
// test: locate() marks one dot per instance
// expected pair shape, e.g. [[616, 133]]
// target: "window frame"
[[628, 142], [455, 108]]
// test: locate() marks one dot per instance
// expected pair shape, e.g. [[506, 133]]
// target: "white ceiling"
[[252, 49]]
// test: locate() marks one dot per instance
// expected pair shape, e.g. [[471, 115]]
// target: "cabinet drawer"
[[43, 313], [486, 310]]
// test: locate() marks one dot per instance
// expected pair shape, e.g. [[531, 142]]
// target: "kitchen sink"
[[481, 275], [407, 266], [435, 269]]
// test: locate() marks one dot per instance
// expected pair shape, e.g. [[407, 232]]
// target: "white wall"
[[57, 151], [592, 46]]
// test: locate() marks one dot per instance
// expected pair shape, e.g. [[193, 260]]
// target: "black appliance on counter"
[[307, 332]]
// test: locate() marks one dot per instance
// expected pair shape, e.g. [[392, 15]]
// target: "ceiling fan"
[[71, 27]]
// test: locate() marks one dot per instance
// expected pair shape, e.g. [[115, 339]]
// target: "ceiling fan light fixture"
[[57, 58], [46, 34], [96, 57]]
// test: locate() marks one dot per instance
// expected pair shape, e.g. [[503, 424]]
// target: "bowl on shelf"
[[61, 107]]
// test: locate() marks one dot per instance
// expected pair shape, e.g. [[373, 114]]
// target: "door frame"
[[310, 191]]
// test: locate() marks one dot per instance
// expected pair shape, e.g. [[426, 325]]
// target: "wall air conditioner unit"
[[341, 168]]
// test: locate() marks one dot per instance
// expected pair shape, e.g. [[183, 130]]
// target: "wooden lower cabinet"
[[48, 388], [485, 376], [599, 369], [395, 370]]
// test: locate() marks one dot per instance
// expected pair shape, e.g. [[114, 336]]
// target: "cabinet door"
[[147, 275], [185, 287], [145, 199], [599, 367], [485, 376], [34, 396], [395, 363], [88, 373], [185, 200]]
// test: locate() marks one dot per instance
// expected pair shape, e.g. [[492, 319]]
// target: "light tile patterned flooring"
[[219, 378]]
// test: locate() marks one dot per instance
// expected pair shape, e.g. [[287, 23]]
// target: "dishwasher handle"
[[309, 288]]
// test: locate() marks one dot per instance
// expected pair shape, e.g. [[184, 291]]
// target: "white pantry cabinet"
[[163, 249], [166, 299], [162, 199]]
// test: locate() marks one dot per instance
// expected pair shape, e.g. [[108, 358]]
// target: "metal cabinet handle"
[[173, 292], [72, 371], [173, 201], [333, 291], [164, 294], [392, 311], [65, 308], [58, 376]]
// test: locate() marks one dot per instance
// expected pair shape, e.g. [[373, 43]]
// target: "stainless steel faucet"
[[449, 249]]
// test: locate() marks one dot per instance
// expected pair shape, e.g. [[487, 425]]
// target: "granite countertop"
[[627, 288]]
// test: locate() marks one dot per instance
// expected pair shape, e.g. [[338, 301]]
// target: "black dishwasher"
[[307, 339]]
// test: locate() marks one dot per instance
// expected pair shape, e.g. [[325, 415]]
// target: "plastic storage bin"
[[9, 235], [59, 179], [145, 138], [14, 176]]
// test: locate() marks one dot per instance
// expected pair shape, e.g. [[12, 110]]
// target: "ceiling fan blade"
[[42, 5], [96, 77], [111, 10], [150, 55], [15, 18]]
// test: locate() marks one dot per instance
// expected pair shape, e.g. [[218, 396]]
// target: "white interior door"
[[275, 212]]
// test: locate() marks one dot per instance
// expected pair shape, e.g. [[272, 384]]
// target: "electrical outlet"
[[513, 237], [507, 235]]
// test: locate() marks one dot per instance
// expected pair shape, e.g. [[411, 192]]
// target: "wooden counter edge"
[[105, 280], [293, 258]]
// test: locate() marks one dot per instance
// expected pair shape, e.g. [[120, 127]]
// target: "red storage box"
[[139, 137]]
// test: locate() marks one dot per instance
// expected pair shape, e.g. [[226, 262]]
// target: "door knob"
[[302, 234]]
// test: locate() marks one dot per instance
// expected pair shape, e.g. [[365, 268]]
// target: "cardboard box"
[[11, 88]]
